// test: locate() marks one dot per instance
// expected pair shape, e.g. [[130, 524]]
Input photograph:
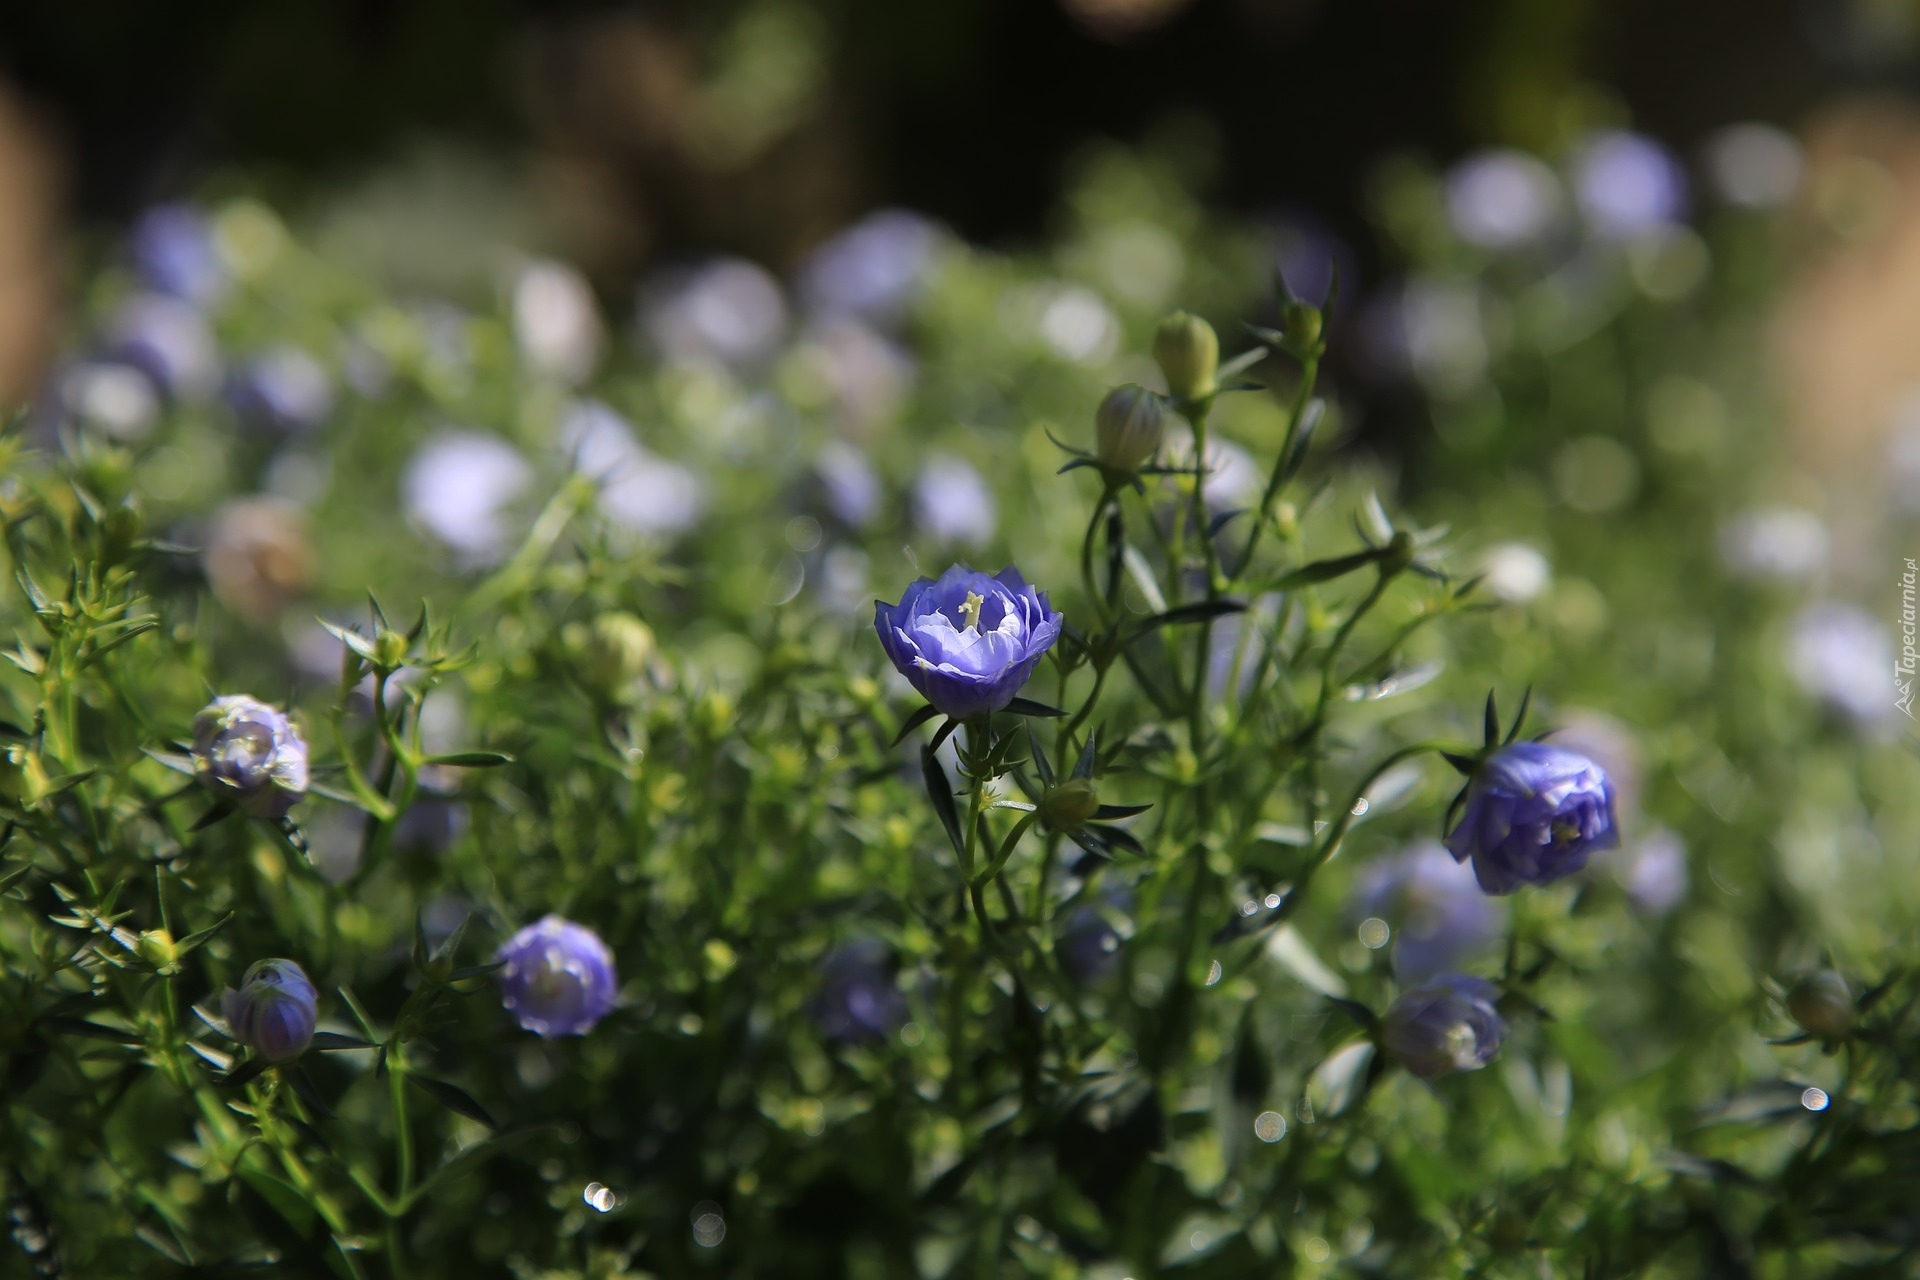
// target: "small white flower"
[[556, 323], [458, 486], [1515, 572], [1779, 542]]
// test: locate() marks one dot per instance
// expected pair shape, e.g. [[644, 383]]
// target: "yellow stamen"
[[971, 609]]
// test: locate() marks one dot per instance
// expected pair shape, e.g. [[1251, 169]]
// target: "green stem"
[[1309, 373]]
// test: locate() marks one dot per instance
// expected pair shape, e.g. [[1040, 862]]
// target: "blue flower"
[[1438, 914], [858, 999], [557, 978], [250, 755], [173, 251], [274, 1010], [284, 390], [969, 641], [1446, 1026], [1534, 812]]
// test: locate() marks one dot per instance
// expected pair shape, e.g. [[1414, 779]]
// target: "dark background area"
[[964, 108]]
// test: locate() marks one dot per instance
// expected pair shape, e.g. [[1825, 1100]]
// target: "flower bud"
[[614, 651], [389, 650], [1127, 427], [1068, 805], [249, 754], [274, 1010], [1302, 323], [1188, 352], [1446, 1026], [557, 978], [155, 946], [1822, 1004]]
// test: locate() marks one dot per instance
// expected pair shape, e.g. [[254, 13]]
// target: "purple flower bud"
[[859, 1000], [557, 978], [1437, 912], [274, 1010], [968, 642], [1446, 1026], [173, 253], [872, 269], [1089, 945], [249, 754], [1534, 813], [284, 390], [1628, 185]]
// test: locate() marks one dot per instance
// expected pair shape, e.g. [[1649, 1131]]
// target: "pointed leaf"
[[338, 1042], [91, 1030], [1041, 764], [1462, 765], [1198, 611], [1083, 767], [453, 1098], [1327, 570], [1109, 812], [1492, 720], [911, 723], [194, 940], [940, 792], [219, 812], [246, 1071], [471, 759], [1028, 707], [1526, 700]]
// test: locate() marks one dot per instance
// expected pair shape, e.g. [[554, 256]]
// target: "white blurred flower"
[[844, 580], [170, 342], [1502, 199], [1653, 871], [867, 374], [1515, 572], [852, 485], [1232, 479], [873, 269], [556, 323], [1441, 333], [1754, 166], [1779, 542], [1628, 185], [117, 400], [1844, 657], [458, 487], [952, 502], [1078, 326], [729, 310], [638, 490]]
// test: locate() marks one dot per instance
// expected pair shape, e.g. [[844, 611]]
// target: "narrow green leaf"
[[471, 759], [453, 1098], [940, 793]]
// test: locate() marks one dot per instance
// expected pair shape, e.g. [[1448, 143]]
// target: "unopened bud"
[[614, 651], [1127, 427], [1068, 805], [389, 650], [1188, 352], [1822, 1004], [1302, 323], [156, 947]]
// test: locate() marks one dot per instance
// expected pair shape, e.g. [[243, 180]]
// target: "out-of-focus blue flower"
[[169, 341], [728, 310], [173, 253], [457, 488], [1779, 542], [1628, 185], [1754, 166], [250, 755], [638, 490], [873, 269], [1502, 199], [1534, 813], [868, 375], [1448, 1025], [852, 486], [968, 641], [283, 390], [1438, 914], [1089, 944], [556, 323], [557, 978], [1654, 873], [859, 998], [274, 1011], [1609, 743], [953, 503], [1844, 657]]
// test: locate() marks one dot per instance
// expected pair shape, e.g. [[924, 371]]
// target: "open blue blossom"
[[173, 252], [1446, 1026], [1534, 813], [274, 1010], [969, 641], [557, 978], [250, 755], [859, 999]]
